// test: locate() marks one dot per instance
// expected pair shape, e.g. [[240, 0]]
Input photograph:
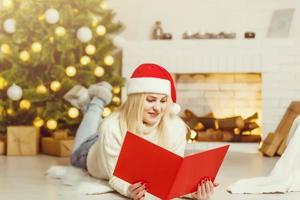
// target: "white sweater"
[[103, 155]]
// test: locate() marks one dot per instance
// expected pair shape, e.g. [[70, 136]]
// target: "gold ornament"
[[116, 89], [109, 60], [90, 49], [51, 39], [25, 104], [106, 112], [38, 122], [3, 83], [101, 30], [41, 17], [96, 20], [55, 86], [41, 89], [60, 31], [103, 5], [75, 10], [99, 71], [51, 124], [70, 71], [5, 48], [10, 111], [73, 112], [84, 60], [24, 55], [116, 100], [7, 4], [36, 47]]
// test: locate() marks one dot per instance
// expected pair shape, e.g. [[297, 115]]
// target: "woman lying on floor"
[[149, 111]]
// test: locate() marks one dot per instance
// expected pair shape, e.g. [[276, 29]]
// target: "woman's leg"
[[90, 122]]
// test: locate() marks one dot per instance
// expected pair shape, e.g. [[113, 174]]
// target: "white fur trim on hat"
[[152, 85]]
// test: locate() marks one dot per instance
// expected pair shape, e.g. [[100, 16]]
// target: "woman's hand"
[[137, 191], [205, 190]]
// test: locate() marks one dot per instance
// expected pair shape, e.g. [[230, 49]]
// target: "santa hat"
[[152, 78]]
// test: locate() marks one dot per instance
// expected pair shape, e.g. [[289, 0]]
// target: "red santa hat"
[[152, 78]]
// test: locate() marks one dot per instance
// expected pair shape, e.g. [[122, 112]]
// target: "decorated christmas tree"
[[47, 47]]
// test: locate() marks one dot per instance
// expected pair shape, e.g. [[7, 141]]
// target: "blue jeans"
[[86, 134]]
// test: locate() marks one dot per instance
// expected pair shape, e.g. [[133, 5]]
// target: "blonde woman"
[[149, 111]]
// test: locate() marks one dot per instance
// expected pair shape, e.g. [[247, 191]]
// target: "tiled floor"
[[23, 178]]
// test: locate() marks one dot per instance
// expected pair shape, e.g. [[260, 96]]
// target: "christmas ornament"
[[24, 56], [51, 39], [116, 100], [60, 31], [52, 16], [103, 5], [3, 83], [10, 111], [51, 124], [38, 122], [25, 104], [99, 71], [96, 20], [9, 25], [41, 89], [7, 4], [84, 60], [116, 89], [73, 112], [109, 60], [55, 86], [106, 112], [84, 34], [14, 92], [36, 47], [90, 49], [5, 48], [101, 30], [41, 17], [70, 71]]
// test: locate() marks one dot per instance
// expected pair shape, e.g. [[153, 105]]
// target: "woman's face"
[[154, 108]]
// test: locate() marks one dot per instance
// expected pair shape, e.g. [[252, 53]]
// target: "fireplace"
[[277, 61], [223, 107]]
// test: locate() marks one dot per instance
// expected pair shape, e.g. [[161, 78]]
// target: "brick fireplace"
[[277, 60]]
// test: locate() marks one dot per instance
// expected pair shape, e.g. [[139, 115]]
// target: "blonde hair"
[[131, 118]]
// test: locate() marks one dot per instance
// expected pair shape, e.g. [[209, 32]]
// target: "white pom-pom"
[[84, 34], [9, 25], [175, 108], [15, 92], [52, 16]]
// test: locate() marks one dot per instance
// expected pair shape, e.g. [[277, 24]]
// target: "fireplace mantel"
[[278, 60]]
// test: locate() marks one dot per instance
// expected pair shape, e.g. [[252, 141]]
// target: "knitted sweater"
[[103, 155]]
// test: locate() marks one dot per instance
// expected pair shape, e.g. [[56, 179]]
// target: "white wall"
[[179, 16]]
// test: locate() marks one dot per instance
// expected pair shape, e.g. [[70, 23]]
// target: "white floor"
[[23, 178]]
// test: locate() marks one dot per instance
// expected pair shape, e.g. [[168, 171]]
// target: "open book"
[[167, 175]]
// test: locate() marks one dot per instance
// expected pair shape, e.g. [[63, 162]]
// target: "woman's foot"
[[101, 90], [78, 96]]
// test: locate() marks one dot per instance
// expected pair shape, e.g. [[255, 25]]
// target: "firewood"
[[252, 118], [231, 123], [249, 126]]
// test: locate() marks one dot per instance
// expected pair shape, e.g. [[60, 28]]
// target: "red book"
[[167, 175]]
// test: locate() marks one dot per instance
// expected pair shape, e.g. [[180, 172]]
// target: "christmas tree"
[[47, 47]]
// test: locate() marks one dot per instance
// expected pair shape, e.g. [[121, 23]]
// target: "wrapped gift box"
[[2, 147], [62, 147], [22, 140], [61, 134]]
